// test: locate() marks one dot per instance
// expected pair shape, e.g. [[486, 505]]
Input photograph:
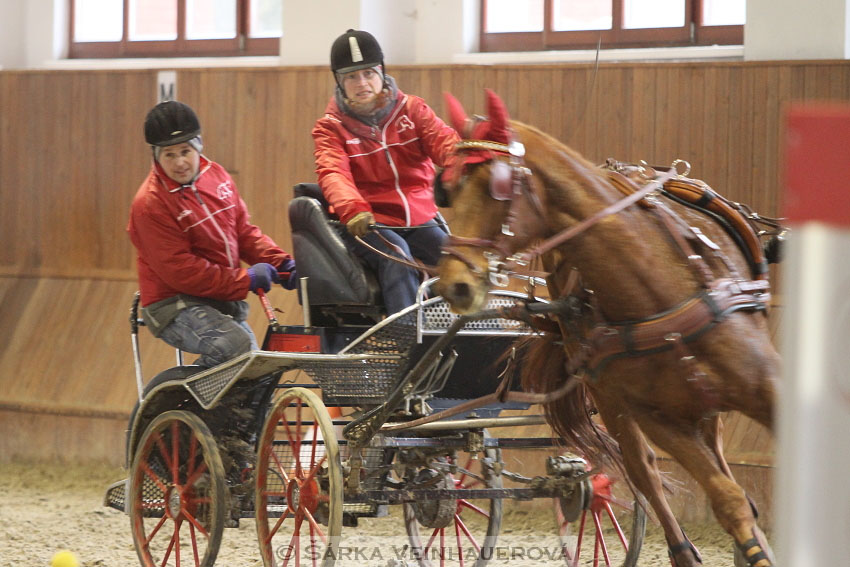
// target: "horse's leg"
[[712, 431], [713, 434], [728, 500], [642, 468]]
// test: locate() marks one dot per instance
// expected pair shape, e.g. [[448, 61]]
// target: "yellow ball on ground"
[[64, 558]]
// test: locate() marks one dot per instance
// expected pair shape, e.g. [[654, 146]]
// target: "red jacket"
[[190, 239], [387, 169]]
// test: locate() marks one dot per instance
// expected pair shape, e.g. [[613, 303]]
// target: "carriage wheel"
[[298, 492], [177, 493], [462, 525], [608, 530]]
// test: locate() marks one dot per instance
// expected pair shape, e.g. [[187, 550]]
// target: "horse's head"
[[493, 205]]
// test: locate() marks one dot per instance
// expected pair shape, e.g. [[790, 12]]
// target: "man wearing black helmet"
[[375, 151], [191, 230]]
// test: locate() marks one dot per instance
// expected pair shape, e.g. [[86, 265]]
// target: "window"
[[174, 28], [536, 25]]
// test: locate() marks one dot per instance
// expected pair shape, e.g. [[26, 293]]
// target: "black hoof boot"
[[755, 554], [685, 547]]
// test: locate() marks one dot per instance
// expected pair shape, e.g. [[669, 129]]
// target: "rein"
[[577, 229], [606, 341], [401, 258], [521, 179]]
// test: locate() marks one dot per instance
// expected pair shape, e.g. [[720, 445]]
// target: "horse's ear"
[[456, 113], [497, 112]]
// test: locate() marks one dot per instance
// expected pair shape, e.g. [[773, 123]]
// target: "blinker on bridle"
[[508, 180]]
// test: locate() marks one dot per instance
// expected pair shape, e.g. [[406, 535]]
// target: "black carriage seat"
[[340, 289]]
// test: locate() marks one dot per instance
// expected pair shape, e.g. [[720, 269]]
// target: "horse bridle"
[[511, 179]]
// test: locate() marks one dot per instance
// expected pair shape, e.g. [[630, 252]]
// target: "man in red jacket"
[[191, 230], [375, 151]]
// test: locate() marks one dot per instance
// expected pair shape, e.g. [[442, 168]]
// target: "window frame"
[[693, 32], [241, 45]]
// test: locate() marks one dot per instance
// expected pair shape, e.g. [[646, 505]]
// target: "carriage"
[[350, 416]]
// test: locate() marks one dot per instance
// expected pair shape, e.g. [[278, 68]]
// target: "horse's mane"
[[545, 140]]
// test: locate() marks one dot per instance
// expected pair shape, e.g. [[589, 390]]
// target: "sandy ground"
[[44, 509]]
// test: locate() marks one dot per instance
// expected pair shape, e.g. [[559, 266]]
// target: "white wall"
[[33, 33], [409, 31], [792, 29], [309, 28], [445, 29], [394, 24], [11, 35]]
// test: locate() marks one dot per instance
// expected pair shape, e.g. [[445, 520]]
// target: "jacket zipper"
[[392, 164], [227, 250]]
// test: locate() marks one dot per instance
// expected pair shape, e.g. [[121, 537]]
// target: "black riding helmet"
[[171, 122], [355, 50]]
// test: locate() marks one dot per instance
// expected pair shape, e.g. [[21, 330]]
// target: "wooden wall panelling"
[[614, 125], [719, 160], [122, 161], [8, 148], [641, 114], [72, 157], [22, 118], [67, 343], [67, 215], [739, 142]]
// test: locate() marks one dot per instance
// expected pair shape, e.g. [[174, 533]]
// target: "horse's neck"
[[624, 259]]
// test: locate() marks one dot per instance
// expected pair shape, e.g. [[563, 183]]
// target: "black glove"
[[288, 281], [262, 276]]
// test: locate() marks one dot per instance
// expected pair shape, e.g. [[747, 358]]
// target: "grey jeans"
[[204, 330]]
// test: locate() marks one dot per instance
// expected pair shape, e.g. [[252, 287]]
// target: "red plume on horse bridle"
[[481, 136], [493, 128]]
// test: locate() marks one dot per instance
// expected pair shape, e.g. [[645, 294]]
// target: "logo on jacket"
[[404, 123], [224, 190], [353, 141], [183, 214]]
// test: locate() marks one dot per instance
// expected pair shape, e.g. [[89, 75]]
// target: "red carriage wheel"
[[298, 493], [605, 525], [177, 493], [462, 531]]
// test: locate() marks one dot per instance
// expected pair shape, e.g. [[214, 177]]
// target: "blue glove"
[[262, 276], [292, 281]]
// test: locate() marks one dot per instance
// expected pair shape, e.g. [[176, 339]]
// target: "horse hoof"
[[755, 554], [684, 554]]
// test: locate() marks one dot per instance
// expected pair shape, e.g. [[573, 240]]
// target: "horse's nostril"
[[460, 290]]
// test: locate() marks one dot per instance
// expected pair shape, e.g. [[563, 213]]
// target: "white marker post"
[[813, 450]]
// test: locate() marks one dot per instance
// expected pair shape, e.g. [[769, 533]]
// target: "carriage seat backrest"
[[335, 276]]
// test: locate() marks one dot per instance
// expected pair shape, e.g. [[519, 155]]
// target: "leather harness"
[[669, 330]]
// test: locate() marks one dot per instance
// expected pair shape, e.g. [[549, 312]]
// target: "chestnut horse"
[[676, 327]]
